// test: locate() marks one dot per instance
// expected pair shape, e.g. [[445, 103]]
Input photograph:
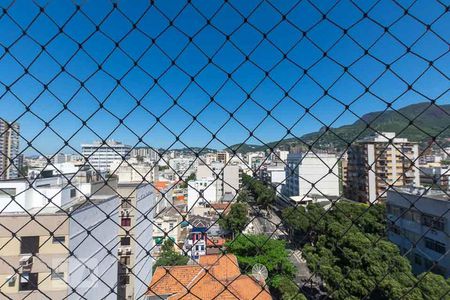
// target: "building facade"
[[53, 253], [101, 155], [10, 160], [380, 161], [419, 224], [309, 174]]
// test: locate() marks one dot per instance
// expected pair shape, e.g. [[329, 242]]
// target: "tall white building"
[[101, 155], [419, 224], [10, 162], [309, 174]]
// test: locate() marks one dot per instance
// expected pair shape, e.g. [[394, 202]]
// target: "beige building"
[[377, 162], [9, 149], [50, 253]]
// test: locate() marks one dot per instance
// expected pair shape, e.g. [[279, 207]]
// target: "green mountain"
[[417, 122]]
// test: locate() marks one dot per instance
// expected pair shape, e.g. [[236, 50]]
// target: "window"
[[417, 259], [125, 260], [124, 279], [28, 281], [125, 241], [29, 245], [57, 275], [73, 193], [435, 245], [126, 203], [11, 280], [59, 240], [125, 222], [433, 222]]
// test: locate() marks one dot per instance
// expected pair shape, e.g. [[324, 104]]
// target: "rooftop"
[[423, 192], [215, 277]]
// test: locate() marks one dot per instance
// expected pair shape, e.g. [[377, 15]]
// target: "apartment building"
[[10, 160], [438, 176], [145, 153], [380, 161], [51, 253], [274, 174], [309, 174], [227, 178], [223, 157], [169, 224], [139, 204], [419, 224], [135, 171], [101, 155], [21, 194]]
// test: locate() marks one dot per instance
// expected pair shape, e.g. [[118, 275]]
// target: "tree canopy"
[[260, 249], [262, 194], [236, 220], [351, 254]]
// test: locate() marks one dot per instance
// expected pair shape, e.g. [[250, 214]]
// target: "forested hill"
[[428, 120]]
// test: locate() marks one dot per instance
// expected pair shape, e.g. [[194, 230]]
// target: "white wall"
[[312, 169], [143, 233], [92, 250], [208, 186]]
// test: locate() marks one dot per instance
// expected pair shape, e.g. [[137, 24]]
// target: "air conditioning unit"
[[128, 250], [120, 251], [26, 261], [10, 280]]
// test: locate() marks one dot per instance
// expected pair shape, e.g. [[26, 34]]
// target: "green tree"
[[286, 289], [433, 286], [260, 249], [169, 257], [184, 184], [351, 254], [236, 220]]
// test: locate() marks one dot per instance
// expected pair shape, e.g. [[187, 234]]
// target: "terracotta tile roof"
[[215, 242], [220, 206], [216, 277]]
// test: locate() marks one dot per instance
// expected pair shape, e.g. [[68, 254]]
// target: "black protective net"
[[224, 149]]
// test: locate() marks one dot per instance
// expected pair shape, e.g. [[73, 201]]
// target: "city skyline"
[[64, 104]]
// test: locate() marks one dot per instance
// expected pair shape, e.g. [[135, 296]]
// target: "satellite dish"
[[260, 272]]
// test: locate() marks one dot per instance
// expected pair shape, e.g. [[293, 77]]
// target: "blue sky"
[[261, 77]]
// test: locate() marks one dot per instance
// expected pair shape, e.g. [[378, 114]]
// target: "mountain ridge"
[[428, 120]]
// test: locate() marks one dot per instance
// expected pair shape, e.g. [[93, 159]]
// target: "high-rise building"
[[10, 162], [101, 155], [377, 162]]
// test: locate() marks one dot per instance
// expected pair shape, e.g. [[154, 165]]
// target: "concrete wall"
[[144, 216], [96, 251]]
